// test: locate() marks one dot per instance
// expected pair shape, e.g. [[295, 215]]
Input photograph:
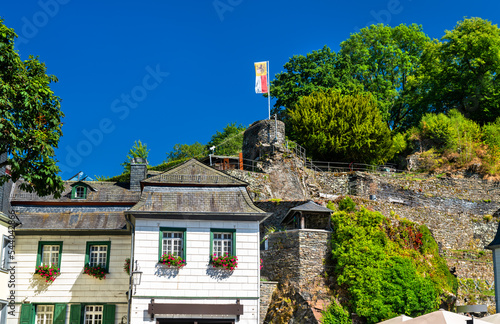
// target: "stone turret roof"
[[311, 206]]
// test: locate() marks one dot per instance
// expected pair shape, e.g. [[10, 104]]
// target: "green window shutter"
[[109, 314], [75, 314], [59, 313], [27, 313]]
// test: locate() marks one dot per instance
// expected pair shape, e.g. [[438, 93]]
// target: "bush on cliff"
[[387, 268]]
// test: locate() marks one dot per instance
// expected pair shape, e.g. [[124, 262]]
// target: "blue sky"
[[167, 72]]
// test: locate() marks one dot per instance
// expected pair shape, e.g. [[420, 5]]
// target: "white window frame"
[[99, 256], [94, 314], [222, 243], [173, 242], [51, 254], [44, 314]]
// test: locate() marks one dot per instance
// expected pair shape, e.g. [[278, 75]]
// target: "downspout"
[[129, 295]]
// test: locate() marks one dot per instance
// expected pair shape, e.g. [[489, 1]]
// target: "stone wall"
[[296, 255], [267, 289]]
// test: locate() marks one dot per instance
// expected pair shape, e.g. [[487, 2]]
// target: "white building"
[[198, 213], [190, 212], [85, 227]]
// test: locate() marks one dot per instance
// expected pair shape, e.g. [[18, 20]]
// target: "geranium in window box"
[[49, 273], [226, 262], [172, 260], [126, 266], [96, 271]]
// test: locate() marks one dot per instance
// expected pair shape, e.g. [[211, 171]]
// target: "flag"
[[261, 77]]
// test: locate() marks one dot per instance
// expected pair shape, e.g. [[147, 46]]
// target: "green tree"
[[319, 70], [336, 127], [379, 59], [462, 71], [183, 151], [30, 120], [229, 141], [385, 61], [138, 150]]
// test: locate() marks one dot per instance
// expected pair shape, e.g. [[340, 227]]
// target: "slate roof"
[[194, 173], [196, 200], [72, 221], [193, 188], [311, 206], [101, 191]]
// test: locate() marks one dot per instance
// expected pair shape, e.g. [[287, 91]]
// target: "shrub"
[[387, 267], [347, 204], [335, 314]]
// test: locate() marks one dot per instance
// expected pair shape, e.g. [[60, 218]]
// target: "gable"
[[194, 173]]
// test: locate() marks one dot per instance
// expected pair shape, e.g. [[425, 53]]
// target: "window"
[[98, 254], [79, 192], [49, 254], [44, 314], [4, 252], [172, 241], [222, 242], [93, 314]]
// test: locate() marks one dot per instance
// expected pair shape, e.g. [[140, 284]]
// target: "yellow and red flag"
[[261, 77]]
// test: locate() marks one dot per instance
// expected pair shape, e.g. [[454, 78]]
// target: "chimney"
[[138, 172]]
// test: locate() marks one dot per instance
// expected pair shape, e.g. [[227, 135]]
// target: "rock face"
[[461, 213]]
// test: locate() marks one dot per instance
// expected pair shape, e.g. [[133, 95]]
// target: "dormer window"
[[79, 192]]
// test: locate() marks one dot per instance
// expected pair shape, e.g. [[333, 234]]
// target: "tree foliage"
[[184, 151], [229, 141], [387, 268], [336, 127], [138, 150], [317, 71], [378, 59], [461, 72], [385, 60], [30, 120]]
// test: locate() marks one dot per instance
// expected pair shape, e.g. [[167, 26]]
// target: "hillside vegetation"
[[384, 267]]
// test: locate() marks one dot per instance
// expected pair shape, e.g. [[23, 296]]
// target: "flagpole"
[[268, 89]]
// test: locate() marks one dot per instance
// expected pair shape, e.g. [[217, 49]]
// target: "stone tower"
[[263, 137]]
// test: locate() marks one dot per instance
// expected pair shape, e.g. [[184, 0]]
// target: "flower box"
[[126, 266], [227, 262], [49, 273], [172, 260], [96, 271]]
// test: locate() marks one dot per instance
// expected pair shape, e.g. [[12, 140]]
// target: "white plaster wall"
[[72, 286], [196, 282]]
